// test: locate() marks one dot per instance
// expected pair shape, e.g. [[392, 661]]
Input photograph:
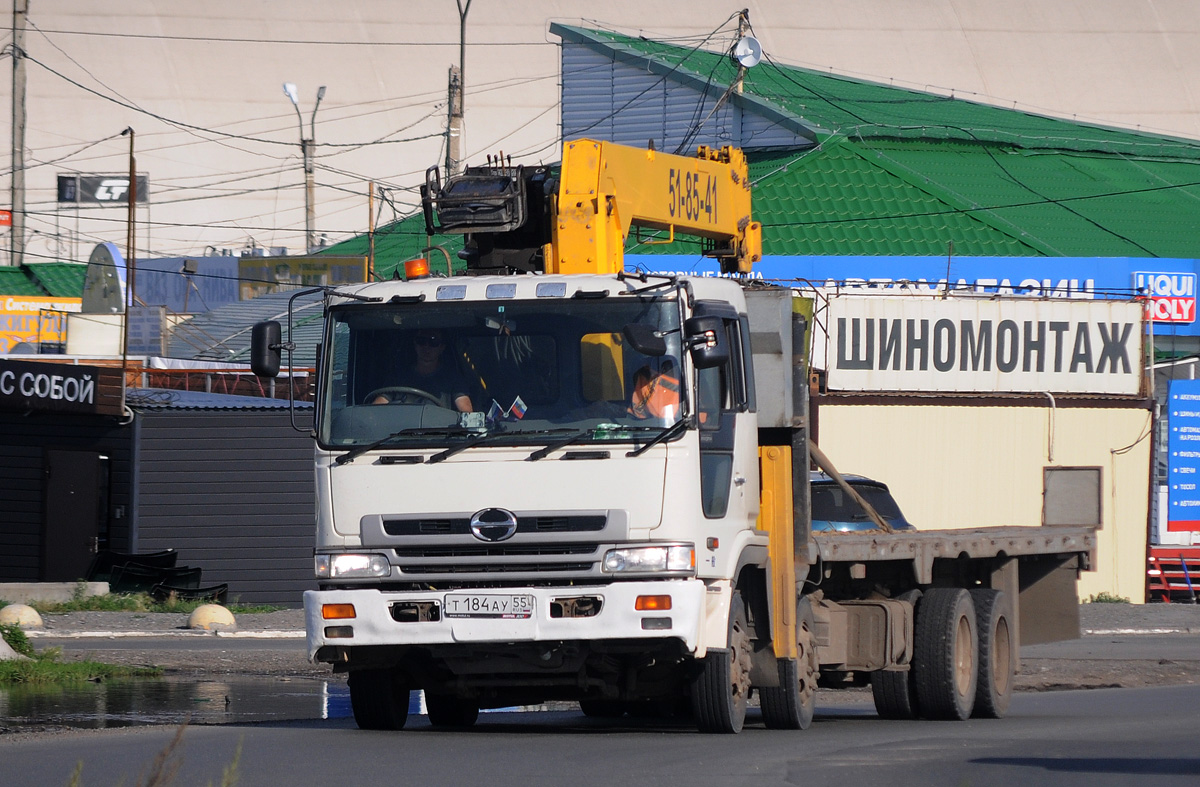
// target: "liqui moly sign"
[[1171, 296]]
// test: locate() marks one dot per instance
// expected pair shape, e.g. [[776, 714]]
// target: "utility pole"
[[371, 231], [456, 127], [743, 29], [17, 236], [130, 265]]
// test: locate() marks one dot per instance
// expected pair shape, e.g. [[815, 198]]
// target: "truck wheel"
[[602, 709], [995, 683], [720, 691], [379, 698], [945, 651], [445, 710], [791, 705], [895, 693]]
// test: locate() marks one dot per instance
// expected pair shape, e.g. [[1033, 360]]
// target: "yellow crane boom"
[[605, 189]]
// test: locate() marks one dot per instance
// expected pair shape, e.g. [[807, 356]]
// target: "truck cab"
[[555, 514]]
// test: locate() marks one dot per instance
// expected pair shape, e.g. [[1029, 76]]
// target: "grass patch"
[[17, 640], [1104, 597], [132, 602], [136, 602], [44, 667]]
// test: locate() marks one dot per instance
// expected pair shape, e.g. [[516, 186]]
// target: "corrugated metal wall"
[[608, 100], [964, 466], [233, 492], [24, 439]]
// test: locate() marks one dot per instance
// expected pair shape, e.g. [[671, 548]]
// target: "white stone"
[[8, 654], [22, 615], [212, 617]]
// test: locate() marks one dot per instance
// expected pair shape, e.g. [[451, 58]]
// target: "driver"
[[432, 374], [656, 391]]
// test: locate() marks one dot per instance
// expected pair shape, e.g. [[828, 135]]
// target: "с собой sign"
[[59, 387]]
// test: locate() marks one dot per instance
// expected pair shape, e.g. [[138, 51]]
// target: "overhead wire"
[[358, 43], [190, 126]]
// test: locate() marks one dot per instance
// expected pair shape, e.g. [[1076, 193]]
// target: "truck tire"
[[446, 710], [721, 690], [945, 654], [895, 692], [379, 698], [995, 683], [791, 705]]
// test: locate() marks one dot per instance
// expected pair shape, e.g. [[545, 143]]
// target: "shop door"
[[76, 495]]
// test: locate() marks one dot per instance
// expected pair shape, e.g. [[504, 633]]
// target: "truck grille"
[[462, 525], [496, 568], [498, 559], [547, 546], [507, 550]]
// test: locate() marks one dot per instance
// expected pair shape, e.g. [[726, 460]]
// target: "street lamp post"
[[307, 149]]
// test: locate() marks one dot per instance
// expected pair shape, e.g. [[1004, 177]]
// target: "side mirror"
[[644, 339], [705, 341], [265, 346]]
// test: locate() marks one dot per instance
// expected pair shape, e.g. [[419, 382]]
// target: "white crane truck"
[[551, 544]]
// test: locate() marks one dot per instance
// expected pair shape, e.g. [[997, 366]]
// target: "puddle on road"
[[154, 701], [167, 701]]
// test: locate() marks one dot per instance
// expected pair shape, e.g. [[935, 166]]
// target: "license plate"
[[488, 605]]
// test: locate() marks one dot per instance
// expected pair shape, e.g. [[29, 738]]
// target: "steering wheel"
[[400, 393]]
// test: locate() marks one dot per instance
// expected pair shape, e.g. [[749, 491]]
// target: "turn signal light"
[[645, 603], [337, 611]]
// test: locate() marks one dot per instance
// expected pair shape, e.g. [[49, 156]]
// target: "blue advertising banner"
[[188, 285], [1168, 284], [1183, 455]]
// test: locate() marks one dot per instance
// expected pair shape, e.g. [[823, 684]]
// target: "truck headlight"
[[351, 565], [650, 559]]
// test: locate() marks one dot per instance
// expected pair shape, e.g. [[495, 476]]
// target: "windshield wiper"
[[542, 453], [669, 281], [354, 453], [463, 446], [487, 438], [666, 434]]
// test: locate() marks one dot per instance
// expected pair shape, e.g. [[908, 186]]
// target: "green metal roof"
[[60, 279], [15, 281], [901, 172], [399, 241]]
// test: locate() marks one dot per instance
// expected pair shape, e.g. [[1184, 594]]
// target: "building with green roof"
[[15, 281], [856, 179], [60, 279], [848, 167]]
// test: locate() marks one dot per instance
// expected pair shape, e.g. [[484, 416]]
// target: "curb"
[[164, 634], [1125, 632]]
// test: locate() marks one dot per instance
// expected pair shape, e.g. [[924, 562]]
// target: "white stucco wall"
[[964, 466], [215, 69]]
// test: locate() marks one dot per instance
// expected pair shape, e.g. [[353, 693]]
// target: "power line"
[[180, 124], [358, 44]]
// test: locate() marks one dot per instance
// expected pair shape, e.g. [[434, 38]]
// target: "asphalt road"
[[1087, 738]]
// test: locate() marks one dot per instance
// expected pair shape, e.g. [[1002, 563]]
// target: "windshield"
[[831, 503], [521, 371]]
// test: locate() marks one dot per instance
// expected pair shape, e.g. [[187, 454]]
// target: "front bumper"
[[373, 624]]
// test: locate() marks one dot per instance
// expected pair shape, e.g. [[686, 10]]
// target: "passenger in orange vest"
[[656, 394]]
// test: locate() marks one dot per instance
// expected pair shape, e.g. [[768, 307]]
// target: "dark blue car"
[[834, 510]]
